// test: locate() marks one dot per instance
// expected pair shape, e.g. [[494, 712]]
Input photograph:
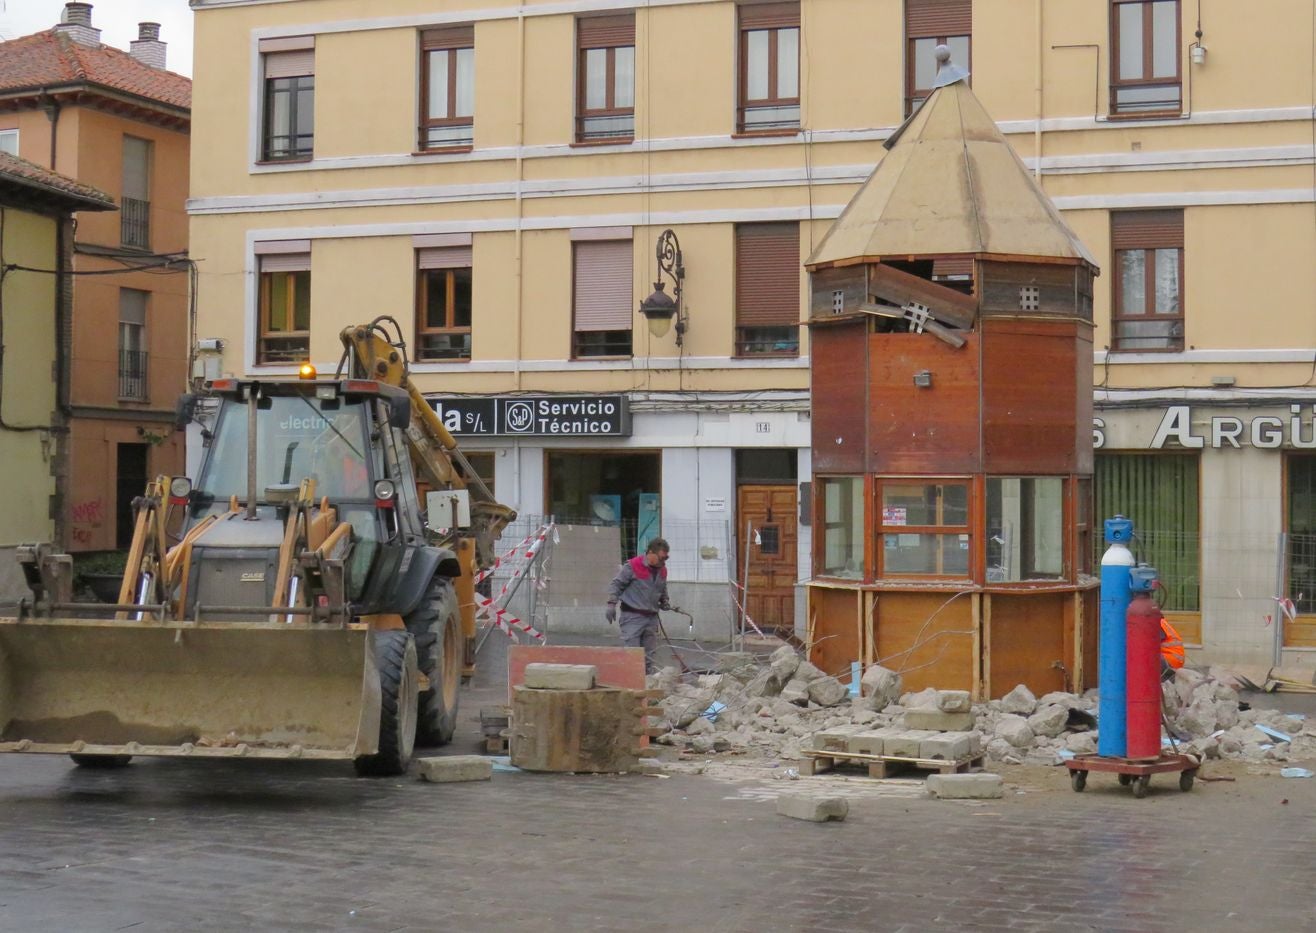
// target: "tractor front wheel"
[[437, 626], [395, 655]]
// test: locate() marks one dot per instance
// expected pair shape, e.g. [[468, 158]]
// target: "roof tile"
[[21, 171], [51, 58]]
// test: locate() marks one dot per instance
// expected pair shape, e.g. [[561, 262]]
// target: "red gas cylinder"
[[1143, 676]]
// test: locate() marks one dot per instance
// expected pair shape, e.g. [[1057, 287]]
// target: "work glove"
[[611, 613], [665, 606]]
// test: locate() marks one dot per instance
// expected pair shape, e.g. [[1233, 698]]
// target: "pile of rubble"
[[778, 709]]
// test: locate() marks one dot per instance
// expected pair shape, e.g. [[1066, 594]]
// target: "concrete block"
[[954, 701], [906, 744], [881, 687], [540, 676], [827, 691], [450, 769], [948, 746], [981, 786], [938, 721], [814, 809], [835, 740], [871, 742]]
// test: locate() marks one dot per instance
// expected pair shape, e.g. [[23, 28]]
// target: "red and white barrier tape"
[[536, 536], [507, 622]]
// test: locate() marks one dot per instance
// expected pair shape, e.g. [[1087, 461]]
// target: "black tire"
[[1125, 779], [1186, 780], [1140, 786], [395, 655], [440, 651], [1078, 780], [101, 762]]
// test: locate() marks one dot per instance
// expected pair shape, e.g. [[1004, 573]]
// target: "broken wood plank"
[[946, 304]]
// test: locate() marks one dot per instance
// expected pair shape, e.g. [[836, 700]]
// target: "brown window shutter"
[[768, 275], [605, 32], [286, 262], [929, 19], [952, 265], [1146, 229], [449, 37], [604, 285], [769, 15], [298, 64], [444, 257]]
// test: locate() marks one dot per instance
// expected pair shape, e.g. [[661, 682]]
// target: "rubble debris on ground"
[[780, 707]]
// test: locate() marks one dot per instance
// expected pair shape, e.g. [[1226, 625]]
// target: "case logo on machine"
[[560, 415]]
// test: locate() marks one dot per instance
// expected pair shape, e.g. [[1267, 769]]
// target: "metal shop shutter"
[[604, 285], [929, 19], [768, 275], [1146, 229]]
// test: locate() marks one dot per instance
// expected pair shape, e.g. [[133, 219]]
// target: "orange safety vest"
[[1171, 645]]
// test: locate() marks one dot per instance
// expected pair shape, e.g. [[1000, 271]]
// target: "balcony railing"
[[135, 223], [132, 374]]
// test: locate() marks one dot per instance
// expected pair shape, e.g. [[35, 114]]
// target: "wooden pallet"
[[885, 766]]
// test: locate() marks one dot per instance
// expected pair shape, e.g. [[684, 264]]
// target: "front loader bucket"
[[217, 689]]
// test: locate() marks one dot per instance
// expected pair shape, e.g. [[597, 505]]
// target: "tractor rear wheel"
[[101, 762], [437, 626], [395, 656]]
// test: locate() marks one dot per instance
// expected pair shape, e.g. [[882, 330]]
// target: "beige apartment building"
[[500, 177]]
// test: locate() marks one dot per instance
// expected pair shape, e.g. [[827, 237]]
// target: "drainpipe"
[[1037, 130], [52, 108]]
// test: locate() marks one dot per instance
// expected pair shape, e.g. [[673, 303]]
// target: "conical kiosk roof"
[[949, 184]]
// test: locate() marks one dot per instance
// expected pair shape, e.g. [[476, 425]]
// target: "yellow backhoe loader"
[[293, 602]]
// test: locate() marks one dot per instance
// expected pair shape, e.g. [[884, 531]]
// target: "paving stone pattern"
[[169, 845]]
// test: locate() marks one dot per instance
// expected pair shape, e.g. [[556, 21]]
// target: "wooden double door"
[[767, 520]]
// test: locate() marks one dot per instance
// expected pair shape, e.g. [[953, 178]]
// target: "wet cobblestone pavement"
[[170, 845]]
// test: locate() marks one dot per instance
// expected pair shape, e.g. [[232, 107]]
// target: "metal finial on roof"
[[947, 71]]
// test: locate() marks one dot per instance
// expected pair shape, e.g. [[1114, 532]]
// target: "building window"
[[843, 527], [1301, 553], [289, 121], [1145, 77], [768, 289], [9, 142], [132, 344], [1025, 529], [1159, 492], [482, 462], [1148, 311], [447, 116], [923, 528], [604, 299], [928, 24], [769, 68], [605, 79], [285, 308], [443, 303], [135, 204]]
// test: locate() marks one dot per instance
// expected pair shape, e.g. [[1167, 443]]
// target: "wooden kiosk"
[[951, 330]]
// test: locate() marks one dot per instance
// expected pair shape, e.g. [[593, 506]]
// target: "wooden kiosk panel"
[[926, 640], [1026, 637], [838, 364], [1030, 397], [836, 636], [917, 429]]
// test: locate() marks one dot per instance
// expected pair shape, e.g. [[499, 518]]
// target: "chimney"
[[147, 48], [76, 24]]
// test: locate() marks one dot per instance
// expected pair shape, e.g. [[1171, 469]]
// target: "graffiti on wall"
[[85, 517]]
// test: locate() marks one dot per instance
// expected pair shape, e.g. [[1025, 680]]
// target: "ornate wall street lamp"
[[659, 308]]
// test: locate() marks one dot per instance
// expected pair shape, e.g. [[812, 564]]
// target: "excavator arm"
[[370, 353]]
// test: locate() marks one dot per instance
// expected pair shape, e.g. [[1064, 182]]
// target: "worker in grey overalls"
[[640, 587]]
